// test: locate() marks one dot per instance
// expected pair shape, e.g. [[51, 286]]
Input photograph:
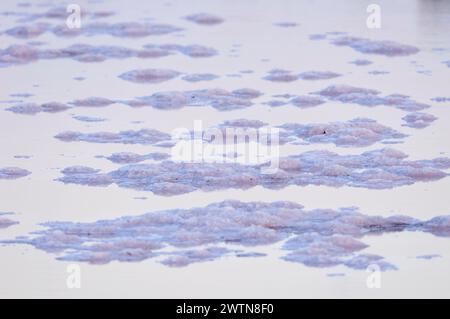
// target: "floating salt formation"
[[354, 133], [6, 222], [361, 62], [379, 169], [418, 119], [89, 119], [387, 48], [204, 19], [369, 97], [279, 75], [13, 172], [198, 77], [21, 53], [286, 24], [33, 108], [179, 237], [143, 136], [128, 158], [318, 75], [149, 75]]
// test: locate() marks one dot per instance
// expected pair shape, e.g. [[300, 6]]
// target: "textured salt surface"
[[441, 99], [355, 133], [33, 108], [378, 72], [13, 172], [378, 169], [198, 77], [418, 120], [149, 75], [128, 157], [219, 99], [21, 53], [361, 62], [369, 97], [83, 118], [315, 238], [428, 257], [279, 75], [224, 100], [204, 19], [386, 48], [58, 13], [286, 24], [358, 132], [6, 222], [193, 51], [122, 30], [144, 136]]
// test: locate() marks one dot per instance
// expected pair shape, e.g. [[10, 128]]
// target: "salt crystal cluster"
[[378, 169], [6, 222], [179, 237], [13, 172]]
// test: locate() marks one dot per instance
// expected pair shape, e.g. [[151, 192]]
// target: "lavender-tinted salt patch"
[[89, 119], [243, 123], [306, 101], [250, 254], [92, 102], [286, 24], [219, 99], [24, 95], [358, 132], [278, 75], [378, 72], [315, 238], [126, 29], [20, 54], [316, 37], [369, 97], [143, 136], [60, 13], [418, 119], [149, 75], [337, 274], [386, 48], [33, 108], [6, 222], [13, 172], [441, 99], [198, 77], [204, 19], [193, 51], [361, 62], [428, 257], [318, 75], [378, 169], [128, 158], [28, 31], [140, 197], [275, 103]]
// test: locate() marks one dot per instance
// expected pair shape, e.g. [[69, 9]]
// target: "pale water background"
[[27, 272]]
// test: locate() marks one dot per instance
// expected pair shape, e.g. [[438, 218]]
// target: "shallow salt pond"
[[86, 175]]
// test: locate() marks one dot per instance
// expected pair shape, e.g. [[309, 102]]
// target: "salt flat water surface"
[[91, 194]]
